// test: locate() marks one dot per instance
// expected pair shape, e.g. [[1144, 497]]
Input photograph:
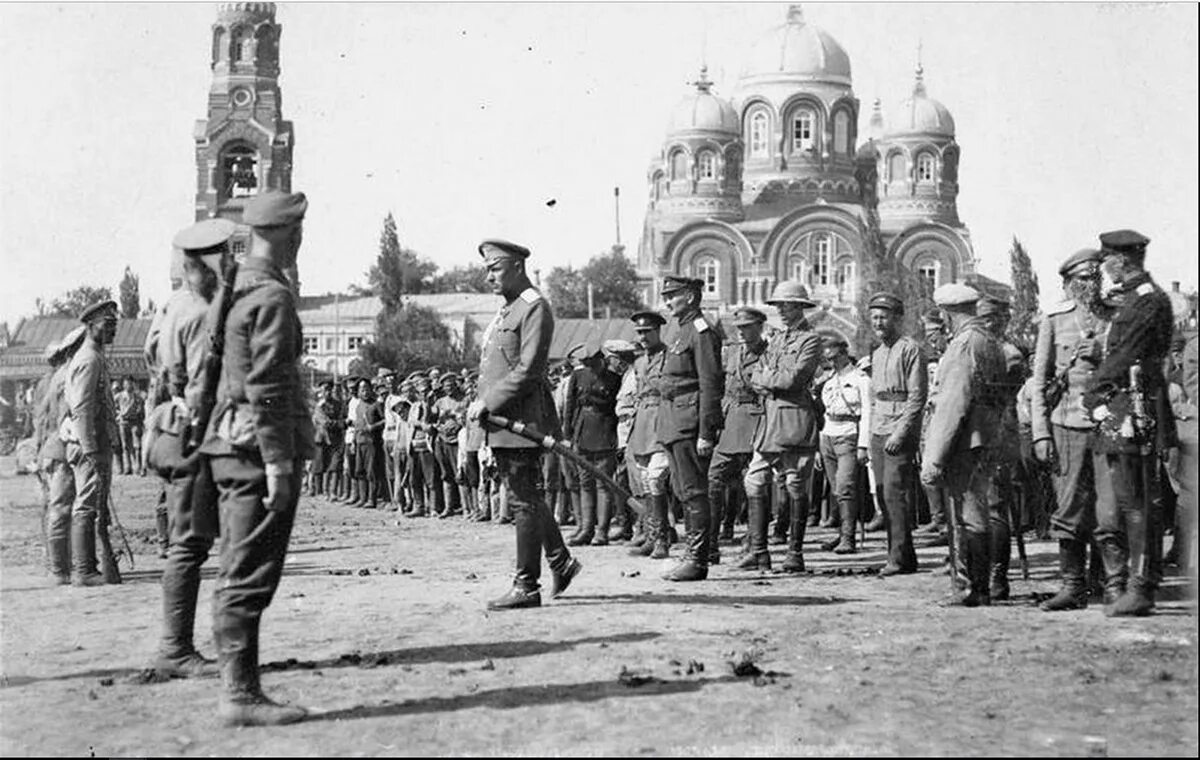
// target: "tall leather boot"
[[604, 516], [83, 552], [525, 591], [794, 561], [1138, 599], [732, 505], [575, 504], [242, 702], [978, 568], [1115, 555], [783, 515], [356, 493], [1095, 570], [177, 655], [758, 556], [587, 528], [1001, 552], [162, 529], [716, 507], [650, 530], [466, 497], [1073, 595], [109, 570], [59, 550], [847, 524], [662, 526], [483, 502], [694, 566]]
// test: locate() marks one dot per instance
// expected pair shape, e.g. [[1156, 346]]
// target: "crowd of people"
[[956, 436]]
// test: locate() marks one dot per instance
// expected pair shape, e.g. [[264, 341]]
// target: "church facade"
[[775, 184]]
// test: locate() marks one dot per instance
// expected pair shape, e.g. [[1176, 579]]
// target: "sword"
[[1014, 517], [549, 443], [116, 521]]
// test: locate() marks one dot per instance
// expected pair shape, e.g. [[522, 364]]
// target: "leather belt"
[[675, 393], [891, 396], [842, 417]]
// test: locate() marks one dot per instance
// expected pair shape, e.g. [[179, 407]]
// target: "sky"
[[464, 119]]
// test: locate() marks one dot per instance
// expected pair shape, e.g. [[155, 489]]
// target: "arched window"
[[239, 172], [218, 44], [238, 36], [929, 273], [896, 167], [708, 269], [924, 168], [707, 162], [758, 135], [841, 133], [798, 269], [331, 366], [804, 130], [822, 259], [657, 186], [679, 165], [844, 278]]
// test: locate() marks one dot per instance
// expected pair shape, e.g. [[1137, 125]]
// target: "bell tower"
[[244, 146]]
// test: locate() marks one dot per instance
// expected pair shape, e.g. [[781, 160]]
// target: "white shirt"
[[843, 394]]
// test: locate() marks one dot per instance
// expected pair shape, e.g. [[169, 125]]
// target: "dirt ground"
[[380, 629]]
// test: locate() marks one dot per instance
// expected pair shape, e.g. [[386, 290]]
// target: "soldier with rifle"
[[259, 434], [1127, 400], [180, 354], [89, 431], [512, 383]]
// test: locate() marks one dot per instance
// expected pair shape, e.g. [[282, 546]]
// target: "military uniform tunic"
[[650, 457], [692, 384]]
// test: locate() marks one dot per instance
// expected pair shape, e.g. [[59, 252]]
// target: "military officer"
[[651, 465], [512, 383], [54, 469], [899, 383], [1133, 425], [934, 345], [177, 355], [90, 433], [743, 408], [961, 439], [590, 426], [785, 441], [689, 417], [1069, 348], [618, 358], [845, 437], [258, 438]]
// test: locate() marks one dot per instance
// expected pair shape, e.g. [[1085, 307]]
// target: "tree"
[[73, 302], [614, 286], [129, 295], [567, 291], [1022, 330], [397, 271], [468, 279], [410, 338]]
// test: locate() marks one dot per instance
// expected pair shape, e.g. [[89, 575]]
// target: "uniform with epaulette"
[[89, 429], [1070, 346], [651, 466], [590, 425], [512, 383], [962, 435], [743, 408], [1127, 398], [258, 438], [786, 437], [692, 385]]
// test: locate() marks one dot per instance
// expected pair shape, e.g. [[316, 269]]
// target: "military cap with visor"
[[933, 318], [1085, 261], [955, 294], [790, 291], [674, 283], [647, 320], [888, 301], [98, 311], [748, 315], [205, 237], [618, 347], [1123, 242], [274, 208], [498, 250]]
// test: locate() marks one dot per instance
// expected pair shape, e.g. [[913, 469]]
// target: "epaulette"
[[1062, 307], [1145, 289], [700, 323], [530, 295]]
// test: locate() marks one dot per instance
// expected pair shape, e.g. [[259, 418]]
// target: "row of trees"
[[74, 301]]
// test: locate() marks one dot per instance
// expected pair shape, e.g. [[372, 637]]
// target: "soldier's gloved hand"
[[279, 486], [864, 454], [1045, 451], [704, 447], [931, 474]]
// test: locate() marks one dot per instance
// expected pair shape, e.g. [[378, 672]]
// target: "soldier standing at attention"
[[743, 408], [1069, 348], [56, 473], [512, 383], [932, 348], [845, 437], [689, 417], [448, 415], [651, 466], [1131, 430], [961, 439], [90, 436], [899, 383], [785, 442], [258, 438], [590, 426]]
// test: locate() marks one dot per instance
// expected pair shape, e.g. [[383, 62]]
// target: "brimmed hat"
[[955, 294], [274, 208], [790, 291]]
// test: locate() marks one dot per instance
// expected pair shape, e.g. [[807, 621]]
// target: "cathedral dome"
[[801, 50], [703, 111], [921, 113], [248, 12]]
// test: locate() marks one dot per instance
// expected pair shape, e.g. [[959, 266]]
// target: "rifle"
[[116, 521], [210, 372], [549, 443]]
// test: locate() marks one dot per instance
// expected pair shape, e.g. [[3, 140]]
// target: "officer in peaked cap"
[[176, 349], [258, 473], [899, 388], [743, 409], [689, 419], [98, 312], [957, 296], [512, 384], [618, 347], [646, 458], [647, 320], [1085, 261], [1138, 341]]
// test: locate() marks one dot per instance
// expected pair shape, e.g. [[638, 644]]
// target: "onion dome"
[[800, 50], [703, 111], [246, 12], [921, 113]]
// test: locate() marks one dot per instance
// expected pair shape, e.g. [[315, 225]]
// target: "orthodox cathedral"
[[773, 183]]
